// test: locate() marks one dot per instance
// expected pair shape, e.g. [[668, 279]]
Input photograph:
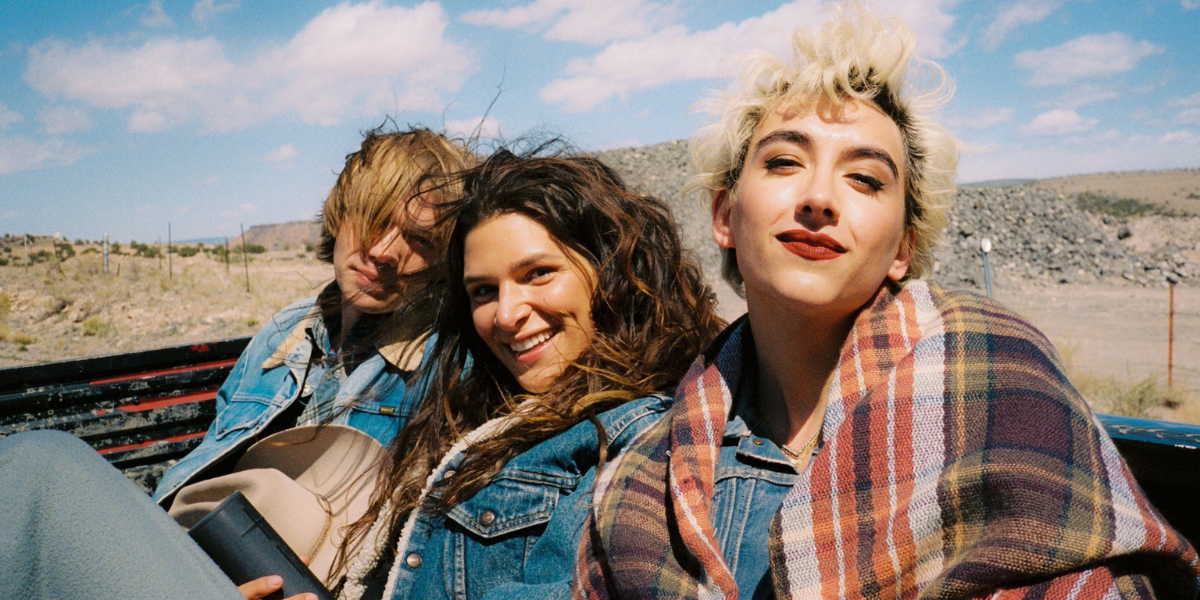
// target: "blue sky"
[[119, 117]]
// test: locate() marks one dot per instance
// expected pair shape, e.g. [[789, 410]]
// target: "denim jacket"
[[266, 380], [517, 537], [752, 477]]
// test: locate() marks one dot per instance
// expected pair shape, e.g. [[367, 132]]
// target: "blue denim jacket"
[[266, 380], [752, 477], [517, 537]]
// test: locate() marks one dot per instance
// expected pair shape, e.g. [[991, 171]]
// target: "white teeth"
[[530, 342]]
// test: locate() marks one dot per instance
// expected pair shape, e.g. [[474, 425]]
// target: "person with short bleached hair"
[[863, 433]]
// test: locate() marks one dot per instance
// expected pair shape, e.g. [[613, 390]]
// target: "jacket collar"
[[401, 351]]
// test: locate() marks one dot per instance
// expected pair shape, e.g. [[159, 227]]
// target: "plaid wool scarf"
[[958, 462]]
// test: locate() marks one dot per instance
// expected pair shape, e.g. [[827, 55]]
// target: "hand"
[[263, 586]]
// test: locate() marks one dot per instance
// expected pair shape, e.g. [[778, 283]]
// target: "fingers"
[[305, 596], [261, 587]]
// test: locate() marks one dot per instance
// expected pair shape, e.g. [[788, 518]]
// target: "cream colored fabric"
[[308, 483]]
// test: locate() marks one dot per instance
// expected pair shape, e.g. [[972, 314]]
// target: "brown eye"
[[868, 182], [781, 162]]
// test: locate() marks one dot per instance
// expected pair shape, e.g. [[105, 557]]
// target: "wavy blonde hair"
[[857, 56], [382, 176]]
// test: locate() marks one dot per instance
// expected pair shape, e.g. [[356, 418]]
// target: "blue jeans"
[[73, 527]]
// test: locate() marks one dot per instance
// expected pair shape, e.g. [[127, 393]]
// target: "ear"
[[721, 230], [904, 256]]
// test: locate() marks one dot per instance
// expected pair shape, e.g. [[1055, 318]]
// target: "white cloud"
[[58, 120], [677, 54], [1085, 57], [1024, 12], [24, 154], [8, 116], [582, 21], [283, 153], [351, 60], [930, 23], [241, 211], [1189, 113], [670, 55], [1082, 95], [487, 127], [155, 17], [1176, 136], [203, 11], [1191, 4], [1052, 157], [1058, 123], [983, 118]]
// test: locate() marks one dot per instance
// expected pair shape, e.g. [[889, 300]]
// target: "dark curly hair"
[[652, 313]]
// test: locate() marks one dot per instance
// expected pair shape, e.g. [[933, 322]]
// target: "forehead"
[[850, 124]]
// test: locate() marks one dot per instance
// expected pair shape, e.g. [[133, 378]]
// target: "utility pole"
[[245, 259]]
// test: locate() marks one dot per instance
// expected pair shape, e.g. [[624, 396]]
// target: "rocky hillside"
[[1038, 235], [294, 235]]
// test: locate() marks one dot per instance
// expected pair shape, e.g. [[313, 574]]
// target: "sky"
[[123, 117]]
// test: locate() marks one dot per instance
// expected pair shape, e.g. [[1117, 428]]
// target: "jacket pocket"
[[492, 534], [505, 506], [244, 412]]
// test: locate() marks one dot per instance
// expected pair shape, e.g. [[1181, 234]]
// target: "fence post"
[[1171, 337], [986, 246], [245, 259], [170, 266], [106, 254]]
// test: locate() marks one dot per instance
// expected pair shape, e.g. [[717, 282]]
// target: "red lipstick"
[[809, 245]]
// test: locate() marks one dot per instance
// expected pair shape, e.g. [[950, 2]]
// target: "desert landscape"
[[1091, 260]]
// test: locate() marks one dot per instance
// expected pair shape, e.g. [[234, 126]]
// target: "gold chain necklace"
[[805, 452]]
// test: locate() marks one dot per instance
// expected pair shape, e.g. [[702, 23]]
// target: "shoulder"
[[637, 414], [282, 324], [958, 316]]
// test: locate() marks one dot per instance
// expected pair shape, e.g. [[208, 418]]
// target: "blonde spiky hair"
[[855, 56]]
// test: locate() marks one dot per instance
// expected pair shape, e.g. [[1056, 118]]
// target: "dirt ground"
[[53, 312]]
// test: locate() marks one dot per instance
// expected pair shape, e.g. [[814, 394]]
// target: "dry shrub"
[[95, 326], [1144, 398]]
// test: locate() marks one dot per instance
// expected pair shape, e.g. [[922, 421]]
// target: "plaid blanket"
[[958, 462]]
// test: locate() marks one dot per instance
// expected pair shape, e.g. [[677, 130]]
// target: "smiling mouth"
[[532, 342], [813, 246]]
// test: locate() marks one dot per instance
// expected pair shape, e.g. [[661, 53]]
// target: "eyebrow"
[[877, 154], [524, 263], [785, 135], [804, 141]]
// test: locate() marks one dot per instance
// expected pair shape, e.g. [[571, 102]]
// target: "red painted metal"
[[148, 374], [168, 401], [177, 438]]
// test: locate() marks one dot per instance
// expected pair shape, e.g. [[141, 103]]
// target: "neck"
[[350, 317], [797, 353]]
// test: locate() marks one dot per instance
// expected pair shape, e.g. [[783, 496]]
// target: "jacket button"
[[413, 560], [757, 442], [448, 474], [487, 518]]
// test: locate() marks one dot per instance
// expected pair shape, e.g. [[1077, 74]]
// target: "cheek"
[[483, 318]]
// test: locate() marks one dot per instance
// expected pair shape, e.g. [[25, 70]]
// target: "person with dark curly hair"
[[578, 310]]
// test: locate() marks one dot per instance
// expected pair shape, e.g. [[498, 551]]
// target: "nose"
[[512, 307], [390, 250], [817, 204]]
